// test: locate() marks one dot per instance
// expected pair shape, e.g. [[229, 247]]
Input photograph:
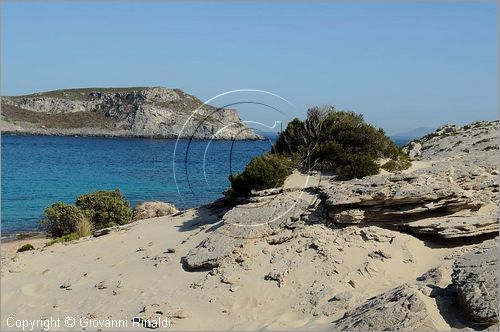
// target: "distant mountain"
[[416, 133], [131, 112]]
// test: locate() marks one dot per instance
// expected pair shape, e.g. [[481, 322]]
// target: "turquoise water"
[[38, 171]]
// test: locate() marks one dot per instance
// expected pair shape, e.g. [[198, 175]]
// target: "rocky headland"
[[410, 250], [121, 112]]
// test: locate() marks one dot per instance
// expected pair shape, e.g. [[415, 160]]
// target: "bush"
[[96, 210], [61, 219], [357, 166], [338, 141], [83, 227], [399, 164], [105, 208], [26, 247], [263, 172]]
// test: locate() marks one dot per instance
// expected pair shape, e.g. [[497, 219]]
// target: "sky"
[[402, 65]]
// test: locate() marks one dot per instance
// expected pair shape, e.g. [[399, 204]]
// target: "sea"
[[40, 170]]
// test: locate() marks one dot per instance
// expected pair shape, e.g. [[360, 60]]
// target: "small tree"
[[60, 219], [105, 208], [336, 141]]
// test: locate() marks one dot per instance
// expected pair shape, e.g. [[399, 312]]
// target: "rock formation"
[[403, 308], [245, 223], [136, 112], [153, 209], [452, 193]]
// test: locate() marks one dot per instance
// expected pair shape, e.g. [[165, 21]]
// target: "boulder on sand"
[[402, 308], [153, 209], [475, 276]]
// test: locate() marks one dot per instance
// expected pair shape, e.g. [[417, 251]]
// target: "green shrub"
[[331, 140], [26, 247], [63, 239], [390, 166], [398, 164], [263, 172], [105, 208], [357, 166], [60, 219]]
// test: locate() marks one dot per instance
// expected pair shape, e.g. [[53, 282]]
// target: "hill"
[[129, 112]]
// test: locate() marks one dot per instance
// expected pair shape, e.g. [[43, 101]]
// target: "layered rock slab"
[[457, 225], [382, 198], [246, 222]]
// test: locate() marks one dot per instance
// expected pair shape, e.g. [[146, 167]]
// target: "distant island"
[[150, 112], [415, 133]]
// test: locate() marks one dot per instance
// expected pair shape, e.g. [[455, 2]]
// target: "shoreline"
[[21, 235], [118, 135], [9, 247]]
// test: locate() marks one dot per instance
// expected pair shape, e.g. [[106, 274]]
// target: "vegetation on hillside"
[[61, 120], [79, 93], [98, 117]]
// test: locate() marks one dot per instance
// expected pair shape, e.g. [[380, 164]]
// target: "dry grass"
[[83, 227], [80, 94], [61, 120]]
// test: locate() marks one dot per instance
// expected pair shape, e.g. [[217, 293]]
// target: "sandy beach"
[[135, 270]]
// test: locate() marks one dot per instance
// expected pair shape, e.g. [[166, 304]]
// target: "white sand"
[[125, 262]]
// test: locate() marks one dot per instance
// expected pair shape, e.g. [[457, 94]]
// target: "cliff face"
[[136, 112]]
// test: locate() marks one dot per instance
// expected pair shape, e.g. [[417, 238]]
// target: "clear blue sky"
[[402, 65]]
